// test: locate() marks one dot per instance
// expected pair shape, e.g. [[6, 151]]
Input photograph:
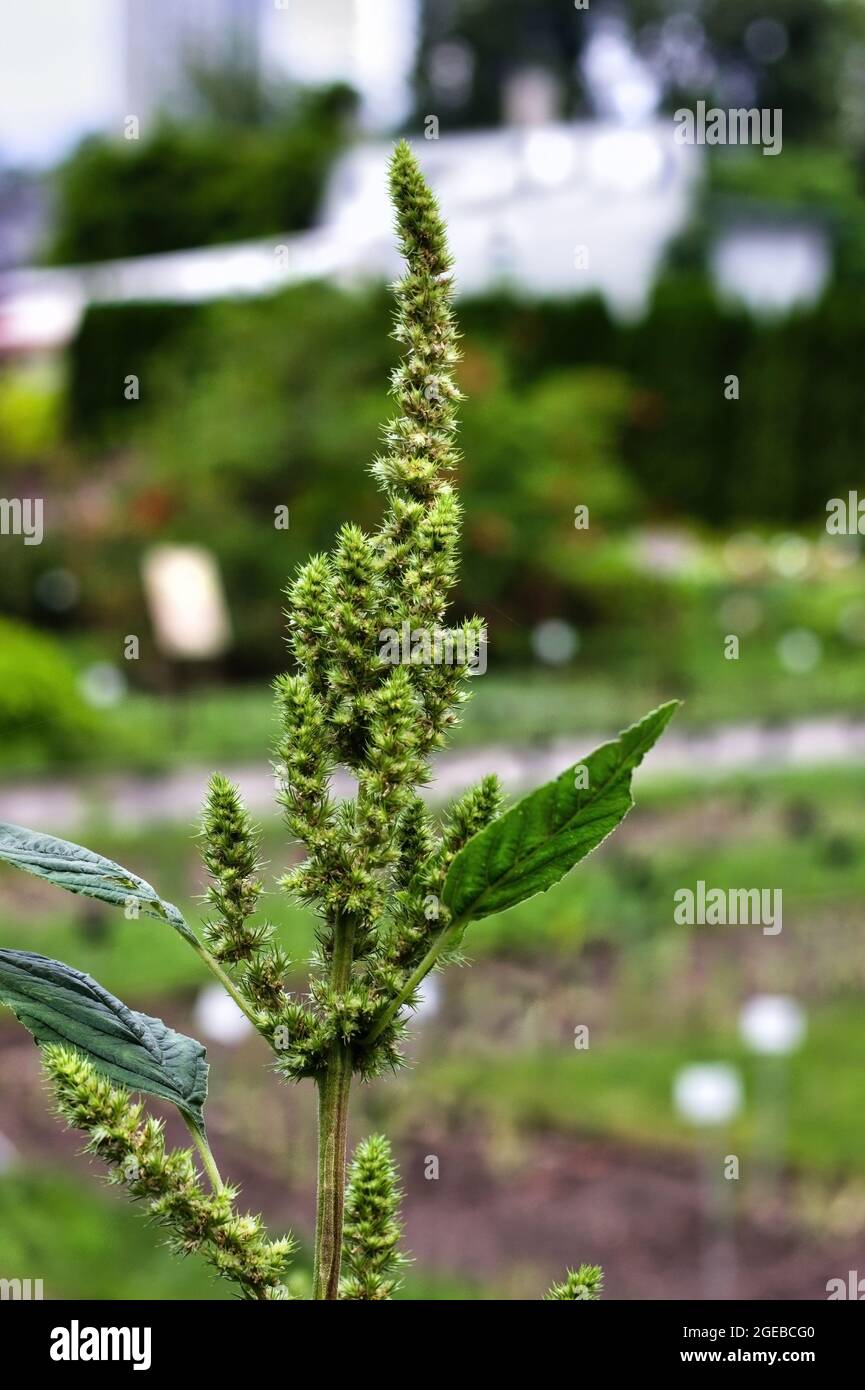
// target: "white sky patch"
[[369, 43], [59, 76]]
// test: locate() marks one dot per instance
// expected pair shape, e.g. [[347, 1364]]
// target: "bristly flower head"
[[347, 704], [133, 1146], [585, 1283], [231, 857], [372, 1226]]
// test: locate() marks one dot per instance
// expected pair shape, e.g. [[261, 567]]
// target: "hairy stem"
[[229, 986], [333, 1098], [207, 1159], [419, 973]]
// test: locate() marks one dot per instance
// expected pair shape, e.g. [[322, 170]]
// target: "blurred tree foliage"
[[691, 451], [805, 56], [40, 707], [799, 55], [253, 406], [469, 49], [244, 163], [256, 406], [238, 391], [113, 342], [247, 407]]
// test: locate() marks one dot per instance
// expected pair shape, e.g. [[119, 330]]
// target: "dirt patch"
[[508, 1212], [642, 1215]]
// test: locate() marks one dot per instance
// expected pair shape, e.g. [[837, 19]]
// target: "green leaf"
[[539, 840], [81, 871], [59, 1004]]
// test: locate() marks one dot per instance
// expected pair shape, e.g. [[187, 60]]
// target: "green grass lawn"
[[621, 1087], [84, 1241], [233, 724], [803, 832]]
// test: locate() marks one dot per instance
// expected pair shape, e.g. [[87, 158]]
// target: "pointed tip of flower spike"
[[419, 221], [403, 167], [372, 1227], [584, 1284]]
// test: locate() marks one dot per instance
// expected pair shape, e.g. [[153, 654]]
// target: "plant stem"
[[418, 974], [228, 985], [333, 1097], [207, 1158]]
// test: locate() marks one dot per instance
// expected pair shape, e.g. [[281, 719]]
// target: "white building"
[[552, 210], [367, 43]]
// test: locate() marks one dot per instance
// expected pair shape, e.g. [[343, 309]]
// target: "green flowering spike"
[[417, 845], [301, 1041], [393, 763], [419, 536], [231, 856], [586, 1283], [372, 1229], [306, 756], [474, 810], [263, 980], [310, 605], [198, 1222], [350, 703], [352, 629], [417, 912], [437, 559]]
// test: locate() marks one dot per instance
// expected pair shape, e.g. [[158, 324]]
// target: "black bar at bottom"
[[257, 1339]]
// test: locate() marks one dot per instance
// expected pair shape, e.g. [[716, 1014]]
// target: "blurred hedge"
[[41, 710], [248, 407], [199, 183], [115, 341], [777, 454]]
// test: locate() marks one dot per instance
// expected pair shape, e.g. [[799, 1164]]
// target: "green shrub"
[[30, 401], [687, 449], [197, 184], [41, 710], [113, 342]]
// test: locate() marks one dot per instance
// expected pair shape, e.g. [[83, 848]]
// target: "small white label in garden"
[[707, 1093], [773, 1024], [186, 601]]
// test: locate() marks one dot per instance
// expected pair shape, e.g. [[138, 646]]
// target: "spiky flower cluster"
[[374, 866], [231, 856], [372, 1231], [133, 1146], [585, 1283]]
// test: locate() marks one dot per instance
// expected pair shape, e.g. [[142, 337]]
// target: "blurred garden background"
[[662, 365]]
